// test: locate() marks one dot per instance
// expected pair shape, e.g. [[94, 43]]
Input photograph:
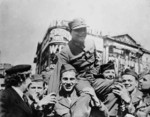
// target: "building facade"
[[122, 49], [57, 36]]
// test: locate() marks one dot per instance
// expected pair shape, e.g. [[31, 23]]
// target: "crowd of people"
[[77, 86]]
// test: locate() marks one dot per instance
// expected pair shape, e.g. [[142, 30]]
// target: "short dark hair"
[[15, 79]]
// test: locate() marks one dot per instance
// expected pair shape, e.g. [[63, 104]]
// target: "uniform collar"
[[20, 93]]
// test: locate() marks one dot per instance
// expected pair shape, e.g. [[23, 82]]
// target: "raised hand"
[[120, 90], [48, 99]]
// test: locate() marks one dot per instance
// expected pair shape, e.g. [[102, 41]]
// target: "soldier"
[[130, 99], [80, 53], [12, 100], [112, 102], [143, 109], [108, 71], [68, 97]]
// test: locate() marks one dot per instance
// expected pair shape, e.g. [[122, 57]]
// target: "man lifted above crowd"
[[81, 53]]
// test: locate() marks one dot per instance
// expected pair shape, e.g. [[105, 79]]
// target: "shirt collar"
[[20, 93]]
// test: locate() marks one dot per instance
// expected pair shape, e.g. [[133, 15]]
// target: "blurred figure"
[[13, 102], [2, 85], [143, 109]]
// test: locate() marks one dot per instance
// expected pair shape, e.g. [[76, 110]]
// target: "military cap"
[[19, 69], [37, 77], [109, 65], [66, 67], [130, 72], [77, 23]]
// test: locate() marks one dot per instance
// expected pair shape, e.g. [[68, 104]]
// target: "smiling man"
[[68, 98], [67, 94], [128, 91], [108, 71]]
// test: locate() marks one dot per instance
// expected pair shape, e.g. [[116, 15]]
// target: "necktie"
[[25, 99]]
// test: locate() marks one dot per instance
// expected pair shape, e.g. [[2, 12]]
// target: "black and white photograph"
[[74, 58]]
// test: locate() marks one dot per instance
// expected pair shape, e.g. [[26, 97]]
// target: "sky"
[[23, 23]]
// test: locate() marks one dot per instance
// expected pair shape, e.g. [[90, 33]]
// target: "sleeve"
[[4, 104]]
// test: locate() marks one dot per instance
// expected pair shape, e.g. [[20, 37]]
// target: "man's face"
[[79, 35], [144, 83], [129, 82], [36, 89], [68, 80], [109, 74]]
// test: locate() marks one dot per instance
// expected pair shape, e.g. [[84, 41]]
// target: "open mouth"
[[68, 86], [128, 86]]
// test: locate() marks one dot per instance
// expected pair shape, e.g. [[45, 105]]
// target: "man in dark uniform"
[[13, 103], [112, 102], [80, 53]]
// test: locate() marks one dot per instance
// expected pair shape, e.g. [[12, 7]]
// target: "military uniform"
[[64, 106], [83, 58], [143, 109]]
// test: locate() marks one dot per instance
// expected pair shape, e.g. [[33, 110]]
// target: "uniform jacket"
[[143, 108], [82, 58], [12, 105], [136, 96], [64, 108]]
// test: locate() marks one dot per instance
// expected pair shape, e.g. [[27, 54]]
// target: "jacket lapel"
[[74, 98], [20, 103], [64, 101]]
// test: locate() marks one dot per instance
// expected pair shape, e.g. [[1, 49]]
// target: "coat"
[[12, 105], [64, 108], [143, 108]]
